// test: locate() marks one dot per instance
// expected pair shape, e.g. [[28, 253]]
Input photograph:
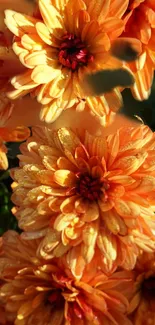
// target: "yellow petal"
[[3, 160], [90, 234], [45, 34], [43, 74], [19, 24], [65, 178], [31, 42], [52, 18], [36, 58], [63, 220], [50, 112], [76, 261]]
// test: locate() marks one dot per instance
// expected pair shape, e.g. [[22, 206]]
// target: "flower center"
[[91, 188], [56, 299], [148, 287], [73, 53]]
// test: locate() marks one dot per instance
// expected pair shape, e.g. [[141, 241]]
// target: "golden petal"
[[43, 74], [50, 112], [76, 261], [45, 34], [67, 141], [31, 42], [64, 163], [65, 178], [113, 146], [71, 9], [3, 160], [63, 220], [52, 18], [19, 24], [90, 233], [108, 245]]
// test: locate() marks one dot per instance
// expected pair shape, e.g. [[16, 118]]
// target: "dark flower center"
[[91, 188], [148, 288], [56, 299], [73, 53]]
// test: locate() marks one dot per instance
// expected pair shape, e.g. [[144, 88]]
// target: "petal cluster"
[[37, 292], [88, 196]]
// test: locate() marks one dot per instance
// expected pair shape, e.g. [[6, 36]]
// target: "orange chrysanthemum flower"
[[58, 48], [142, 305], [90, 196], [37, 292], [18, 134], [140, 23]]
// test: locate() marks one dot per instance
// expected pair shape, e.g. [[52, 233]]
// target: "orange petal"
[[127, 209], [19, 134], [92, 212]]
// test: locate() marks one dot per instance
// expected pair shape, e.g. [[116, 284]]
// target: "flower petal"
[[65, 178], [52, 18], [92, 212], [19, 24]]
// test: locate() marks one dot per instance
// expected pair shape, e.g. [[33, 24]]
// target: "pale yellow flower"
[[66, 42]]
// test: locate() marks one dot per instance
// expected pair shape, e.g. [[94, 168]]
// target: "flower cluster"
[[83, 195]]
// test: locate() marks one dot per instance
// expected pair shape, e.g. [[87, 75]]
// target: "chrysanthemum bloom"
[[65, 42], [37, 292], [140, 23], [89, 196], [142, 305], [18, 134]]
